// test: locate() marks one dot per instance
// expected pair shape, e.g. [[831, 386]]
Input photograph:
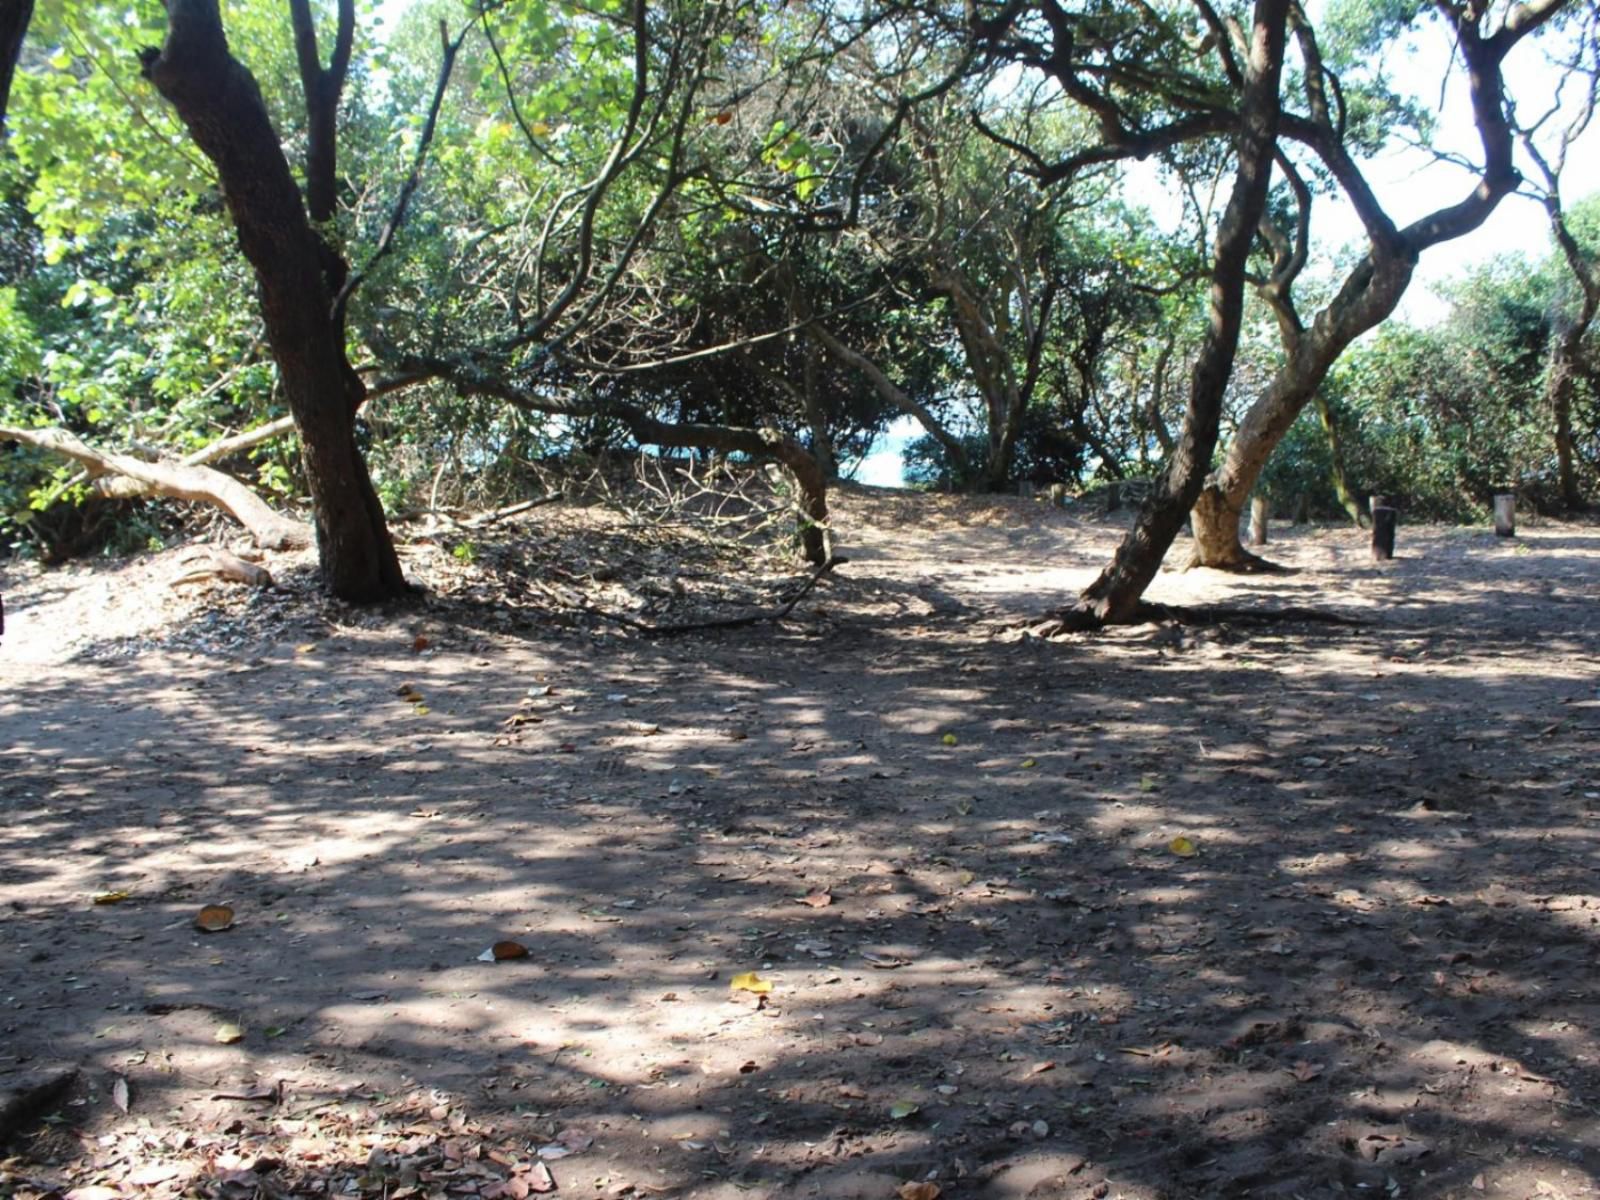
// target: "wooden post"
[[1258, 520], [1505, 515], [1384, 520], [1375, 502]]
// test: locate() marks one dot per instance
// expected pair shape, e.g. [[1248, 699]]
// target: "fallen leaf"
[[1183, 847], [420, 643], [722, 118], [920, 1191], [305, 648], [119, 1093], [818, 899], [154, 1173], [421, 710], [1305, 1072], [228, 1033], [1147, 783], [501, 951], [94, 1191], [112, 897], [901, 1109], [409, 693], [749, 981], [1039, 1068], [1028, 764], [214, 918], [539, 1178], [949, 739]]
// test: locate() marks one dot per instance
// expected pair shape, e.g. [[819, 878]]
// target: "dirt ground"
[[1267, 910]]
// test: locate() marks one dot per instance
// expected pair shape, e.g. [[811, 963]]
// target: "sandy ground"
[[1278, 909]]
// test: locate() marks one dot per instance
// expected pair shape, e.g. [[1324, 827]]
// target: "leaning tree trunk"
[[1115, 595], [218, 100]]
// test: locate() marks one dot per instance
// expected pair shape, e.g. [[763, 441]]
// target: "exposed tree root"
[[1244, 564]]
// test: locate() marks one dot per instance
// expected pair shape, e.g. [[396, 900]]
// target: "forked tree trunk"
[[1369, 295], [1115, 595], [219, 102], [1371, 292]]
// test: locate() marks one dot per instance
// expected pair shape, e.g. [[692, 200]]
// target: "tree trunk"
[[816, 416], [218, 100], [180, 481], [1560, 379], [14, 18], [1341, 481], [1115, 595]]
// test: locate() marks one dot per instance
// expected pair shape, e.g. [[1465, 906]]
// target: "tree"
[[301, 275], [14, 18], [1573, 321], [1371, 290]]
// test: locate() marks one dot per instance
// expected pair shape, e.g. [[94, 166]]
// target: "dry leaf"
[[818, 899], [539, 1178], [901, 1109], [749, 981], [228, 1033], [920, 1191], [949, 739], [1183, 847], [1305, 1072], [420, 643], [119, 1093], [501, 951], [112, 897], [1040, 1068], [214, 918]]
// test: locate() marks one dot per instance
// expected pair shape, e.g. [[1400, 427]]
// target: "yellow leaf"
[[228, 1034], [949, 739], [1147, 783], [540, 128], [1183, 847], [749, 981], [965, 877], [421, 710], [305, 648], [112, 897], [1028, 764]]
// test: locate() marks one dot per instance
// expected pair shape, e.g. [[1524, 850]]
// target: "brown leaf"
[[1039, 1068], [505, 950], [420, 643], [920, 1191], [154, 1173], [817, 899], [214, 918], [1305, 1072], [539, 1178]]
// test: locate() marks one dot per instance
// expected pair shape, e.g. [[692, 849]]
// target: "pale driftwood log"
[[222, 565], [177, 480]]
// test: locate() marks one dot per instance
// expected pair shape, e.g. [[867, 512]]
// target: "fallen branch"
[[176, 480], [223, 565]]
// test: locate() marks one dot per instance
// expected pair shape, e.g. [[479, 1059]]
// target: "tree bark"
[[14, 18], [179, 481], [220, 103], [1115, 595]]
